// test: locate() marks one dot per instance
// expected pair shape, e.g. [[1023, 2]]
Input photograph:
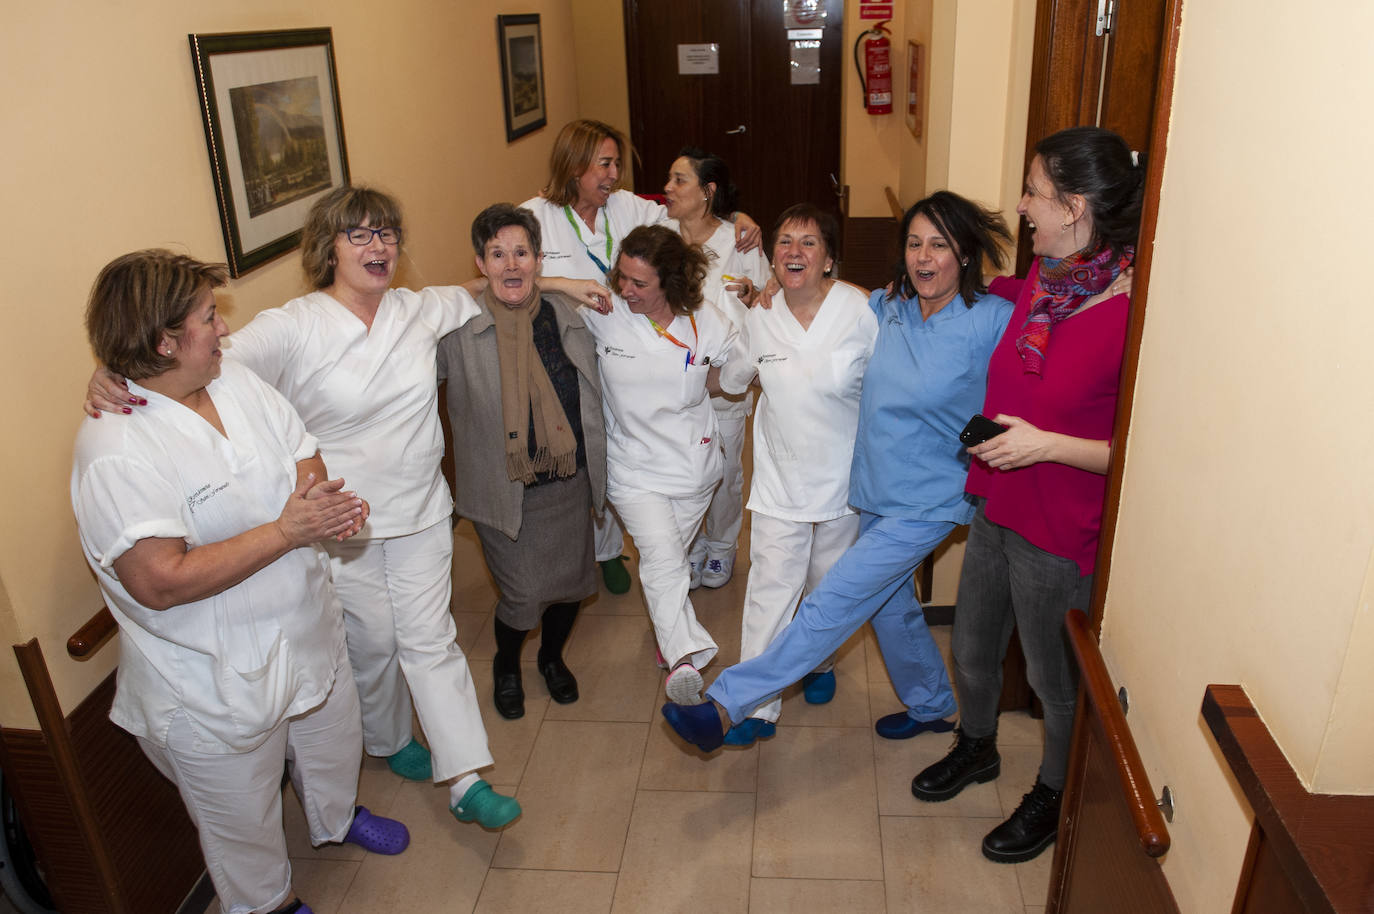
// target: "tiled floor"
[[620, 817]]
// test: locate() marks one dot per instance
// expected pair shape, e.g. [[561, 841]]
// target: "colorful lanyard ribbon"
[[677, 342], [605, 267]]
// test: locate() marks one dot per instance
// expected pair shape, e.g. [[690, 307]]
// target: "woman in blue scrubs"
[[928, 375]]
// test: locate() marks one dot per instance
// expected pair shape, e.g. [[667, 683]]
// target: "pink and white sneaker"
[[684, 685]]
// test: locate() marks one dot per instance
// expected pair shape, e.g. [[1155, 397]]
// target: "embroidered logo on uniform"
[[616, 352], [203, 494], [771, 357]]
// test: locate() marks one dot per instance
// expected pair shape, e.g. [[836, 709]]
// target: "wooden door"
[[790, 142], [1081, 78]]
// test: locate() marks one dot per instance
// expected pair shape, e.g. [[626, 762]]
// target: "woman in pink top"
[[1052, 382]]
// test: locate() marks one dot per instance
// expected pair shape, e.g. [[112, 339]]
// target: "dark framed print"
[[522, 74], [270, 102]]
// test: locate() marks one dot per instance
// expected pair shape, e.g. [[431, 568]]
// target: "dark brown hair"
[[973, 232], [1097, 163], [491, 220], [807, 212], [681, 267], [139, 297]]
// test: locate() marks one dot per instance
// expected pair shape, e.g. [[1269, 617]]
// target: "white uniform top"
[[370, 397], [809, 412], [725, 260], [240, 662], [567, 255], [660, 427]]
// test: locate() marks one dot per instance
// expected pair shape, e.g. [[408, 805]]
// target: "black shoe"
[[509, 694], [1030, 829], [560, 680], [972, 760]]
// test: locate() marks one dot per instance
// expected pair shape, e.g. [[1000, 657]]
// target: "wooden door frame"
[[1154, 177], [1144, 261]]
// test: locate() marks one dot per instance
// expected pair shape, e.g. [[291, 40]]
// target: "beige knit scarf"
[[526, 390]]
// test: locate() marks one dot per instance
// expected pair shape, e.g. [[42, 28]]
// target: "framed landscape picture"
[[522, 74], [270, 103]]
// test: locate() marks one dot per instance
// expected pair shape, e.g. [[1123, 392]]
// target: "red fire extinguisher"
[[875, 74]]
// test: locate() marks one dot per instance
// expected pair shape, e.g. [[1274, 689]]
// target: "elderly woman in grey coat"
[[529, 448]]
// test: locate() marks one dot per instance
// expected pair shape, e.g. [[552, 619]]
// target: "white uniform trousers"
[[786, 559], [234, 799], [663, 528], [395, 592], [608, 537], [372, 653], [719, 536]]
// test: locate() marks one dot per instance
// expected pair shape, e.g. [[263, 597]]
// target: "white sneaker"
[[694, 579], [717, 572], [684, 685]]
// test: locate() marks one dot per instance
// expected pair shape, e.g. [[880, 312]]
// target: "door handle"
[[740, 129]]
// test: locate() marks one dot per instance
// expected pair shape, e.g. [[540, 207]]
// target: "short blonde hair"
[[139, 297], [342, 208], [573, 153]]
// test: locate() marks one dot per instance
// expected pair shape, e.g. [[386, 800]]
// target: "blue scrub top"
[[926, 378]]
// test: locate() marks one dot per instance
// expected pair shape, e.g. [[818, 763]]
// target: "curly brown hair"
[[681, 267], [344, 207], [139, 297]]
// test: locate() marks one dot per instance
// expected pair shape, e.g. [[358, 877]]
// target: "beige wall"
[[977, 73], [598, 45], [871, 145], [1247, 520], [104, 153]]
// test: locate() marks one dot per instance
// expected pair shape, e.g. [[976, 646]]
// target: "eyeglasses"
[[361, 235]]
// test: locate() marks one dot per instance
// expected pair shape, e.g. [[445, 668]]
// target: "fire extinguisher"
[[875, 74]]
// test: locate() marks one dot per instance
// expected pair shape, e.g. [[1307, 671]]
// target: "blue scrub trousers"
[[870, 582]]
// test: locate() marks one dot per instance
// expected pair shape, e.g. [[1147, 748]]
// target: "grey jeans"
[[1005, 581]]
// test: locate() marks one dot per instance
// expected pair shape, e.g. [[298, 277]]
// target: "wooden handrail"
[[1102, 701], [89, 637], [894, 203], [60, 744]]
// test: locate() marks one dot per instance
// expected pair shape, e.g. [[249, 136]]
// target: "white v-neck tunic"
[[369, 396], [243, 660], [568, 255], [660, 426], [808, 414]]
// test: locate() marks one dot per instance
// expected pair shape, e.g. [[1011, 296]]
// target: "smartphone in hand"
[[979, 429]]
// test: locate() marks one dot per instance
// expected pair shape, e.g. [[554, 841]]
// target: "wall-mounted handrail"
[[90, 636], [894, 203], [1103, 704]]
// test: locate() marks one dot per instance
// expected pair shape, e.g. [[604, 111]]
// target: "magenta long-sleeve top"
[[1056, 507]]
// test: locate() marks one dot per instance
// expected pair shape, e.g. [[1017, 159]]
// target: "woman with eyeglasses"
[[356, 358]]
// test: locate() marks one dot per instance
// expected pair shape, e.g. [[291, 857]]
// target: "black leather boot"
[[972, 760], [1030, 829]]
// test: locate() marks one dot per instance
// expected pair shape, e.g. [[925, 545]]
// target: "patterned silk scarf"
[[1061, 287]]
